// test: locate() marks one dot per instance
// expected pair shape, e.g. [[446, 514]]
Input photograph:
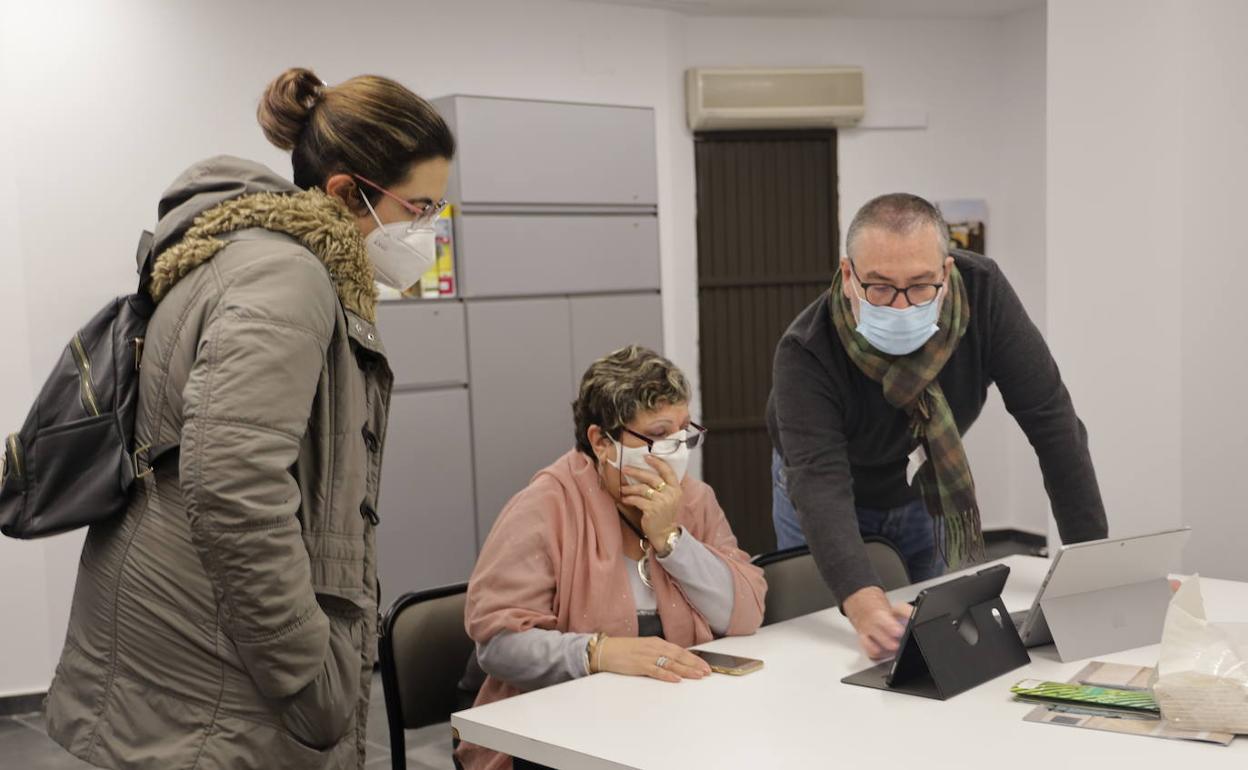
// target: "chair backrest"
[[888, 562], [423, 649], [795, 587]]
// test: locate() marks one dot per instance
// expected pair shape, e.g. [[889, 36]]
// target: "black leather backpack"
[[74, 462]]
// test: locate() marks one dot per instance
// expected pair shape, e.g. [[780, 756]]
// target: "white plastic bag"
[[1202, 675]]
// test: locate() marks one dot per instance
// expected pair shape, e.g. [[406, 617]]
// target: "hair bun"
[[287, 105]]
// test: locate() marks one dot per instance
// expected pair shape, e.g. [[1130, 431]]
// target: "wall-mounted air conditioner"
[[736, 99]]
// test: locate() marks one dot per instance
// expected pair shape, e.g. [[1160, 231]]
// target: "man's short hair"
[[900, 213]]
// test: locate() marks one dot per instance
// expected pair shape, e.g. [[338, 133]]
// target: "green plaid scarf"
[[910, 384]]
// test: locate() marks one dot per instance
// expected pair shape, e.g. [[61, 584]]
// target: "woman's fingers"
[[637, 490], [692, 661], [643, 656], [643, 476], [643, 504], [662, 674], [685, 671], [664, 470], [682, 661], [673, 659]]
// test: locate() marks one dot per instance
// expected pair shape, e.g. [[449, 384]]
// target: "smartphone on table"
[[734, 665]]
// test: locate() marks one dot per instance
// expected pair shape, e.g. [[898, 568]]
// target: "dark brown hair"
[[369, 125], [619, 386]]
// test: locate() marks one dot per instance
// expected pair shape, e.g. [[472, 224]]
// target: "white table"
[[795, 713]]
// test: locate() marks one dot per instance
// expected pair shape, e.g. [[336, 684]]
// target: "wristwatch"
[[670, 542]]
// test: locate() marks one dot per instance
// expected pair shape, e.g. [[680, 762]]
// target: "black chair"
[[795, 587], [424, 650], [889, 564]]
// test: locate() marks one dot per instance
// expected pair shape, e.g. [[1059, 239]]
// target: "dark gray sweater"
[[844, 445]]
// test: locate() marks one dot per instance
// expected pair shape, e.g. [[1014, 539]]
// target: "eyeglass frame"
[[866, 287], [692, 442], [422, 217]]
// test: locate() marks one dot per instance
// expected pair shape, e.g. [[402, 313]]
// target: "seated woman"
[[603, 565]]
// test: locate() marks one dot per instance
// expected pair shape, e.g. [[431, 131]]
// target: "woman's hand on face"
[[657, 495], [640, 656]]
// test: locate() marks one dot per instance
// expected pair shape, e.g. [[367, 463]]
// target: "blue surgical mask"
[[898, 331]]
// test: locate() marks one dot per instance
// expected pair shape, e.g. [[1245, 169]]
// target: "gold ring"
[[662, 486], [649, 493]]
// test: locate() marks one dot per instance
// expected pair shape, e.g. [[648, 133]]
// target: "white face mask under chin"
[[400, 253]]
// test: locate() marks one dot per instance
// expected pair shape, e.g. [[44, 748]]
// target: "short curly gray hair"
[[619, 386], [900, 213]]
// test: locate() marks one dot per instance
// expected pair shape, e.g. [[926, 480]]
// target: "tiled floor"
[[428, 748], [24, 745]]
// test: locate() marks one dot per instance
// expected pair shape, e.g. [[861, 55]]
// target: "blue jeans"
[[908, 527]]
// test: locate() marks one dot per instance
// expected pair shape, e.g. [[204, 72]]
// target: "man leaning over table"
[[874, 385]]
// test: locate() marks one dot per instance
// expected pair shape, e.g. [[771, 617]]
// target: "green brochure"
[[1134, 701]]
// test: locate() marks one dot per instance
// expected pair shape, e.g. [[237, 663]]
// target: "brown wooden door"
[[767, 246]]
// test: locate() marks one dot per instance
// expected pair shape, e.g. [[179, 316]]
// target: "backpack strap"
[[145, 259], [145, 457]]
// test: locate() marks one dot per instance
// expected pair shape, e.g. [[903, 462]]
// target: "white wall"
[[1112, 179], [980, 85], [1018, 228], [1146, 124], [25, 647], [115, 99], [1213, 261]]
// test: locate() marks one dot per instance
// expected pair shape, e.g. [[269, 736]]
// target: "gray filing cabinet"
[[426, 343], [557, 260], [427, 536], [527, 358], [541, 254], [522, 370], [601, 324], [515, 152]]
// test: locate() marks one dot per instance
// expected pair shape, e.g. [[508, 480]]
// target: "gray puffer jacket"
[[228, 619]]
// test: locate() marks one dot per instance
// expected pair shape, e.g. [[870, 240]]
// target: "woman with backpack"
[[228, 618]]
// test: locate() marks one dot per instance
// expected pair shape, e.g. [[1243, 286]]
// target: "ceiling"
[[877, 9]]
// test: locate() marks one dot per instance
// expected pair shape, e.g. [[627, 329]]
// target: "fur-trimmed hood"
[[225, 194]]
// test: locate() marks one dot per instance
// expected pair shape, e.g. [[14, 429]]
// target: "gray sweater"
[[844, 445]]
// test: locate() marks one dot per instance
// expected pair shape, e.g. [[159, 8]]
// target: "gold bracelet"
[[599, 639], [589, 653]]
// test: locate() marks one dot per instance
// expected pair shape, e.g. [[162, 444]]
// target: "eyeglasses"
[[885, 294], [668, 446], [422, 216]]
